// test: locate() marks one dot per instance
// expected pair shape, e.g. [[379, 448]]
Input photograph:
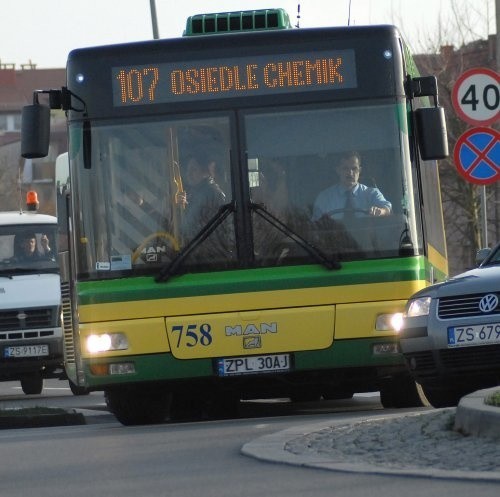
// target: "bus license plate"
[[27, 351], [253, 364], [482, 334]]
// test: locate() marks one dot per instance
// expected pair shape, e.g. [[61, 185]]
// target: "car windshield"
[[494, 258]]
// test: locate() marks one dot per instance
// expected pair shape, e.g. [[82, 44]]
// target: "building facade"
[[19, 175]]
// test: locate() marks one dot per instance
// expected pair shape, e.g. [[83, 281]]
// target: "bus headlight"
[[419, 307], [105, 342], [389, 322]]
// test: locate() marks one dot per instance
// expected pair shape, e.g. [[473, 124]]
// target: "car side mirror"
[[481, 255]]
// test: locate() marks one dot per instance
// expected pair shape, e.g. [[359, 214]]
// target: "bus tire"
[[138, 405], [32, 384]]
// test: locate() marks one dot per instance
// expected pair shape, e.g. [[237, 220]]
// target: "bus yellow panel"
[[251, 332], [135, 336]]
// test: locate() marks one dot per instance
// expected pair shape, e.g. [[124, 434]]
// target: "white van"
[[31, 341]]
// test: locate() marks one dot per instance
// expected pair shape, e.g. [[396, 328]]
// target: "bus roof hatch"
[[231, 22]]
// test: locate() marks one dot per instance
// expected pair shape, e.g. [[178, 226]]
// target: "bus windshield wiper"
[[301, 242], [171, 268]]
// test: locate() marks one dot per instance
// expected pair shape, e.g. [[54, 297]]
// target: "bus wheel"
[[138, 405], [402, 391], [32, 384]]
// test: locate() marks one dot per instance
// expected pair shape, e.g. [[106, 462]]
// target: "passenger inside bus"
[[270, 188], [349, 199], [203, 196]]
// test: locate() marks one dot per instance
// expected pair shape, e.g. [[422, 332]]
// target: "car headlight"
[[106, 341], [419, 307]]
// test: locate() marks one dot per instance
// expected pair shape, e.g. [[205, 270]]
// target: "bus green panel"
[[365, 281], [348, 353], [164, 367]]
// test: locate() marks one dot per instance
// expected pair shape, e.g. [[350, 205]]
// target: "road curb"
[[474, 417], [42, 420]]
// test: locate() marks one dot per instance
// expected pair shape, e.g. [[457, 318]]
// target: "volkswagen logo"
[[488, 303]]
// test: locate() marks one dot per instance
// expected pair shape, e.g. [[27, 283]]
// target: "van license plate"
[[26, 351], [253, 364]]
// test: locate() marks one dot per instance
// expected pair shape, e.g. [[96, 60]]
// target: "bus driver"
[[349, 198]]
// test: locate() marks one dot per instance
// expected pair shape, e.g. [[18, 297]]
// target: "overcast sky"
[[45, 31]]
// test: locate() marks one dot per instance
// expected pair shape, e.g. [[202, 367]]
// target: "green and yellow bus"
[[175, 307]]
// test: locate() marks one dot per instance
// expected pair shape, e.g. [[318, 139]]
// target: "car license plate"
[[481, 334], [253, 364], [26, 351]]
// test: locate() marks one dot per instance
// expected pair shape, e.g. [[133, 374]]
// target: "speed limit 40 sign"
[[476, 96]]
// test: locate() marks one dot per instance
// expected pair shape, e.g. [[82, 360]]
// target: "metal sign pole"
[[484, 216]]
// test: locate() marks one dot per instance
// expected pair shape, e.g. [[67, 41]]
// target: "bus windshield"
[[153, 185]]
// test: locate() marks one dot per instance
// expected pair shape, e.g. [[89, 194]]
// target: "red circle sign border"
[[456, 153], [454, 96]]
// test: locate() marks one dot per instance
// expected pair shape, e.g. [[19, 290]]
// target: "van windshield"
[[28, 247]]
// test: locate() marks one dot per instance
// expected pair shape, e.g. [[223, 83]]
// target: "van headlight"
[[419, 307], [106, 342]]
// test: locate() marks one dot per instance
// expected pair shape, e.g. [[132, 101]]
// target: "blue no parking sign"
[[477, 155]]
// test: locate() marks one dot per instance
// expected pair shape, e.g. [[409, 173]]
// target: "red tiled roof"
[[16, 86], [7, 138]]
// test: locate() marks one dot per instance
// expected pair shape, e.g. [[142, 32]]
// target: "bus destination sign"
[[172, 82]]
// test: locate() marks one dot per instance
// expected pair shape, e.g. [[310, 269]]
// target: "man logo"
[[252, 342], [488, 303], [252, 329]]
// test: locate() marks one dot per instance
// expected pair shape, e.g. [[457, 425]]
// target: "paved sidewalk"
[[422, 444]]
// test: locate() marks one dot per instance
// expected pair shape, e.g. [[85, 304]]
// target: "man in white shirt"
[[349, 198]]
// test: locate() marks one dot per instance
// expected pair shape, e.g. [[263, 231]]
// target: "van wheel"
[[32, 384]]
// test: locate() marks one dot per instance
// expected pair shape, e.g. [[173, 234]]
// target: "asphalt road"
[[190, 459]]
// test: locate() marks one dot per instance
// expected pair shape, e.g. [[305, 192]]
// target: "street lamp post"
[[154, 19]]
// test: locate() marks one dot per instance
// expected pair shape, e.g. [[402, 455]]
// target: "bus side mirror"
[[431, 133], [35, 131]]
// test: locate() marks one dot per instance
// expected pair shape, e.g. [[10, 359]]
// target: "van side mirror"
[[35, 131], [431, 133]]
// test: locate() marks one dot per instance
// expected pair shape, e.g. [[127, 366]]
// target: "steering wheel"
[[158, 234]]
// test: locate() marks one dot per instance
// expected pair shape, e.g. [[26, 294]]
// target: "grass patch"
[[493, 399], [31, 411]]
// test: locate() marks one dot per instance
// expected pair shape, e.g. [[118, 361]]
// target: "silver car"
[[450, 335]]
